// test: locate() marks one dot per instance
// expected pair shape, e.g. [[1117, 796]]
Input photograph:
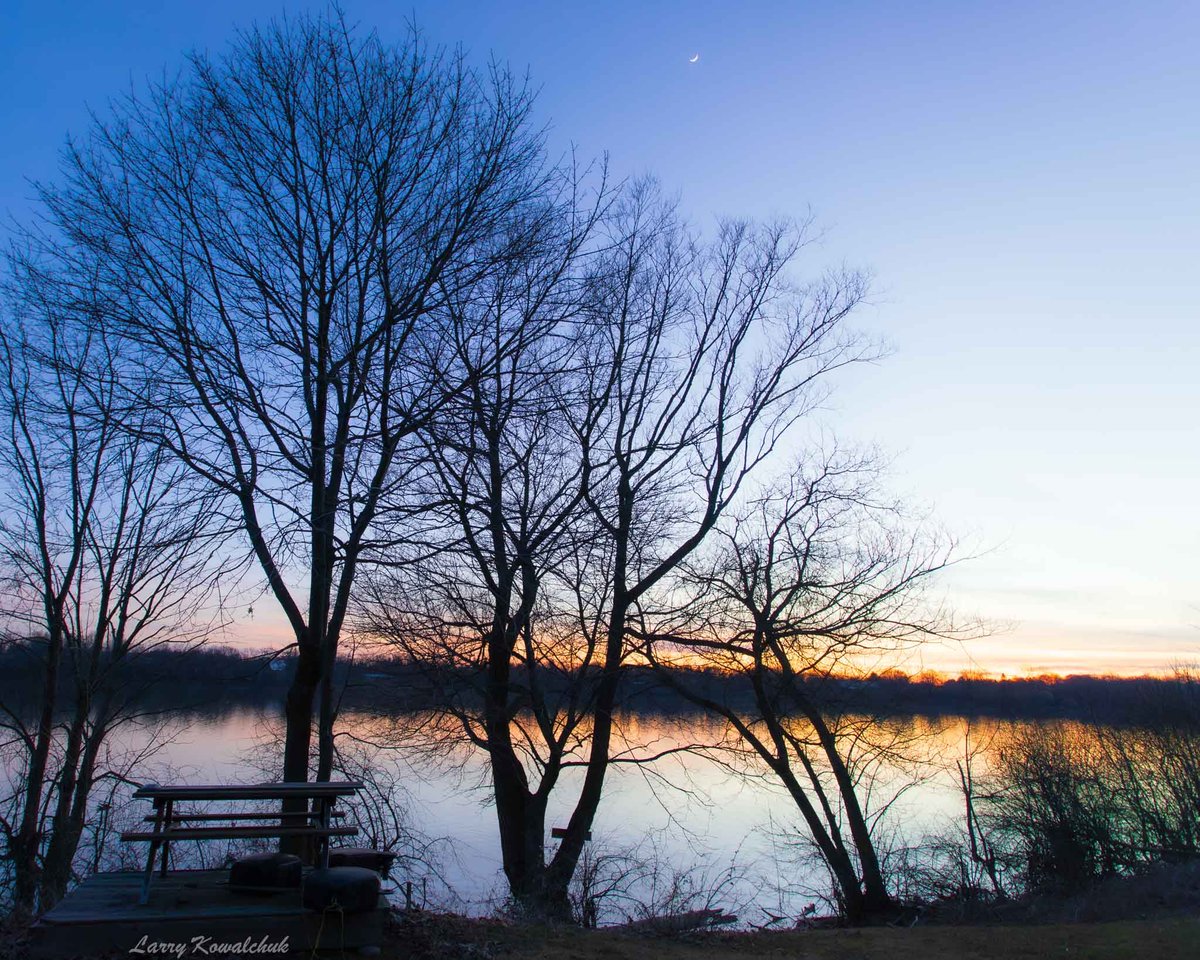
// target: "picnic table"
[[170, 824]]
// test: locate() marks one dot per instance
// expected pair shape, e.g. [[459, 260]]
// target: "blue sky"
[[1020, 179]]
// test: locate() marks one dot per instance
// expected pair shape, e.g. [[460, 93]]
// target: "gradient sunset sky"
[[1020, 178]]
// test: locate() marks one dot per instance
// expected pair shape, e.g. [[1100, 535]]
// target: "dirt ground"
[[1153, 916], [442, 937], [452, 938]]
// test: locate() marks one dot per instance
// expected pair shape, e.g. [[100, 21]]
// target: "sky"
[[1018, 178]]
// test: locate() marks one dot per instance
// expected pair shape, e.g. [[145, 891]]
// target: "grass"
[[1125, 940], [1152, 916], [443, 937]]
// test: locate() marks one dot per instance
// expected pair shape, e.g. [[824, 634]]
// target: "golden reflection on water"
[[714, 806], [240, 737], [916, 740]]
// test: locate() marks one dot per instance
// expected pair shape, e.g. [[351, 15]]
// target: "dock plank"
[[103, 915]]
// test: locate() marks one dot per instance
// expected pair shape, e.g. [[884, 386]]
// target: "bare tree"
[[587, 465], [276, 233], [478, 599], [711, 355], [816, 578], [106, 554]]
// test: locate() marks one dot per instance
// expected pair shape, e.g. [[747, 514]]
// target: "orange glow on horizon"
[[1025, 652]]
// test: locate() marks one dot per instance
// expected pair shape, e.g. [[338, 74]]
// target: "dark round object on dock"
[[378, 860], [265, 871], [353, 889]]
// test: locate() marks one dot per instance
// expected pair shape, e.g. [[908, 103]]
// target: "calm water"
[[684, 823]]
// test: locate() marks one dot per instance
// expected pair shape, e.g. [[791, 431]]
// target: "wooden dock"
[[195, 908]]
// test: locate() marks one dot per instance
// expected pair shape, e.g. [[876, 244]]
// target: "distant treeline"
[[216, 677]]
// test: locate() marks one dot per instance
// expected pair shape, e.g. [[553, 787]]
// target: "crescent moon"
[[694, 59]]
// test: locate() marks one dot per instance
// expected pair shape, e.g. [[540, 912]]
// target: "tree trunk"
[[25, 845], [60, 850], [566, 859], [520, 813], [298, 715], [876, 898], [71, 818], [327, 714], [522, 820]]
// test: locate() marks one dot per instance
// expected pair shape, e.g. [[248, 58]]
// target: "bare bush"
[[1078, 803], [641, 888]]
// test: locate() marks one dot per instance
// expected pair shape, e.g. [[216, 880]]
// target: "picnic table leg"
[[324, 839], [167, 843], [158, 824]]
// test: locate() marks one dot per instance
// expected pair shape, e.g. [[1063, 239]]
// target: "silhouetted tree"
[[276, 234], [617, 411], [105, 555], [816, 576], [709, 356], [479, 592]]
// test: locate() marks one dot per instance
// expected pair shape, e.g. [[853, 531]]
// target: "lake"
[[684, 826]]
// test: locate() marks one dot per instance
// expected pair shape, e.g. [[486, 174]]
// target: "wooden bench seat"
[[265, 815], [317, 789], [236, 833]]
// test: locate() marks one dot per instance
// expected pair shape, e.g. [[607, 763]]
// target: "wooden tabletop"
[[239, 791]]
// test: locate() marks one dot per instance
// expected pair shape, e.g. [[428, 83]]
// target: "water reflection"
[[714, 809]]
